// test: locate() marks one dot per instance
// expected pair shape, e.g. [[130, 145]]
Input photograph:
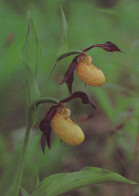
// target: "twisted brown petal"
[[107, 46], [45, 127], [83, 96], [69, 74]]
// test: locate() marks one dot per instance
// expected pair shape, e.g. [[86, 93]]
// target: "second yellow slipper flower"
[[65, 128], [59, 118]]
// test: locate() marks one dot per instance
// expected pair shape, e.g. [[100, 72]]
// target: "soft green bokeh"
[[117, 101]]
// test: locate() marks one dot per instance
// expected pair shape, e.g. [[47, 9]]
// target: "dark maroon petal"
[[69, 82], [68, 78], [71, 68], [45, 125], [43, 142], [83, 96], [108, 46], [51, 113]]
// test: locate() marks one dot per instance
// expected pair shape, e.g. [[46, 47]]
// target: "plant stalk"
[[21, 162], [47, 100], [43, 93]]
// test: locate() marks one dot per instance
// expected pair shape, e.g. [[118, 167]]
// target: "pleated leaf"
[[31, 51], [60, 183], [63, 46], [32, 95], [30, 55]]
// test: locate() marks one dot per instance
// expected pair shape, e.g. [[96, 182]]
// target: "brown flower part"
[[45, 127], [63, 113], [82, 96], [69, 76], [107, 46]]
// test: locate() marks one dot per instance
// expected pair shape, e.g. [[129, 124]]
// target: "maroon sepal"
[[45, 127], [68, 78], [108, 46], [70, 81], [82, 96]]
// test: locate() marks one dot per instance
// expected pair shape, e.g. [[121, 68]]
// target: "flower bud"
[[89, 73], [65, 128]]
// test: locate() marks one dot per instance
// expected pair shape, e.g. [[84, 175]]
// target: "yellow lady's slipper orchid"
[[59, 117], [65, 128], [89, 73]]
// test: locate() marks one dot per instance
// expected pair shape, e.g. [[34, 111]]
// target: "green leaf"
[[30, 55], [24, 192], [31, 51], [61, 52], [37, 176], [32, 96], [63, 182], [63, 46]]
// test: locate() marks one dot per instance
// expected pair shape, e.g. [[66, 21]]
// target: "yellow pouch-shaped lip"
[[89, 73], [65, 128]]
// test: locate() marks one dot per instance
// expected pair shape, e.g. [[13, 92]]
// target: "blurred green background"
[[111, 132]]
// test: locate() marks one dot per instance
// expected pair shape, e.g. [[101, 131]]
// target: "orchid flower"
[[88, 73], [59, 117]]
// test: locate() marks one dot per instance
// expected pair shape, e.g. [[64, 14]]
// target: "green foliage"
[[30, 55], [31, 51], [117, 100], [63, 182], [61, 52], [32, 96], [63, 45], [24, 192]]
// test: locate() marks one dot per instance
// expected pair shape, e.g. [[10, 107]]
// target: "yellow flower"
[[65, 128], [59, 117], [89, 73]]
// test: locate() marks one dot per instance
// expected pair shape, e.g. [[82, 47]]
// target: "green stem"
[[67, 54], [28, 127], [47, 100], [21, 162], [43, 93], [23, 152]]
